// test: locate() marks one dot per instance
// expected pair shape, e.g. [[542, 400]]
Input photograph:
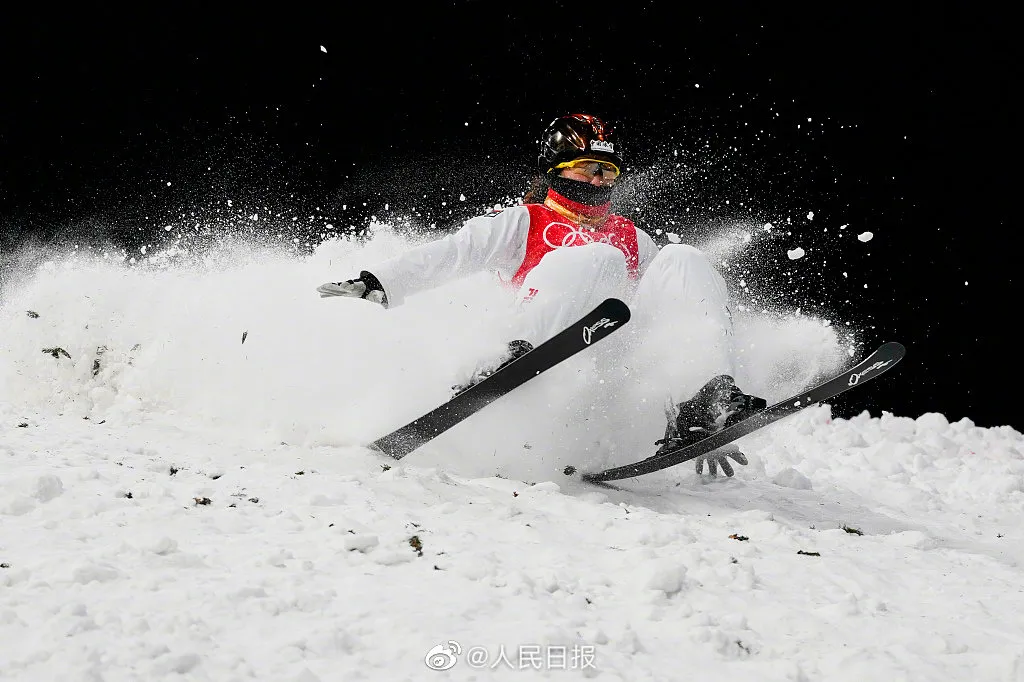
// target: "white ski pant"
[[680, 307]]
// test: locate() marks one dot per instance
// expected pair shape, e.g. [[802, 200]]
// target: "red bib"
[[550, 230]]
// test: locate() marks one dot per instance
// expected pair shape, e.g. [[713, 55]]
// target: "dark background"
[[893, 122]]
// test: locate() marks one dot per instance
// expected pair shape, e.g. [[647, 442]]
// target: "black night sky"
[[891, 123]]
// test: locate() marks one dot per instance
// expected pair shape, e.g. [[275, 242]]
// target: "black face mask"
[[581, 192]]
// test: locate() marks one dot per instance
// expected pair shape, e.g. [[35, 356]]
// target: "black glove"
[[365, 286], [721, 457]]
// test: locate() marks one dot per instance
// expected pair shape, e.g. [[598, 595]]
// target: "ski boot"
[[516, 350]]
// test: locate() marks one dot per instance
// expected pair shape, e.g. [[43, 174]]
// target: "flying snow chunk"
[[795, 254], [810, 215], [865, 236], [673, 237], [323, 49]]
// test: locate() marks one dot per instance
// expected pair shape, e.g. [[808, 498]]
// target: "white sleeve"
[[647, 249], [495, 241]]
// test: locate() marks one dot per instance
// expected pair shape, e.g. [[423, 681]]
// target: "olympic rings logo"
[[574, 236]]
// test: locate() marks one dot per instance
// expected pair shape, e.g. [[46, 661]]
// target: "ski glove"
[[365, 286], [721, 457]]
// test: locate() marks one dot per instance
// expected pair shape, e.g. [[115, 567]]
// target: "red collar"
[[574, 210]]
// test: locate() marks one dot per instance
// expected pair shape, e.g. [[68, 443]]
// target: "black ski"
[[880, 361], [596, 325]]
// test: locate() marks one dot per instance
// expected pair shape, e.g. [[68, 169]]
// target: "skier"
[[569, 205]]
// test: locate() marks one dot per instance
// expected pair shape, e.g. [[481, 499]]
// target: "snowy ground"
[[185, 505]]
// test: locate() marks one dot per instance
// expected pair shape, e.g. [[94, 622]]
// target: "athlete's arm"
[[495, 241]]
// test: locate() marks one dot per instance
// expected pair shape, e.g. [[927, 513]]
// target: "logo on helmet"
[[602, 146]]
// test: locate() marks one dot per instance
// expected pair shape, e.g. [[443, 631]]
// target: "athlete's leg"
[[681, 335], [683, 293], [565, 285]]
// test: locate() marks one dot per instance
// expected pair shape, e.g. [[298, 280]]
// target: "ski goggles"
[[592, 167]]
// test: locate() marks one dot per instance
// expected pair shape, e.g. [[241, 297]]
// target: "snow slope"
[[185, 494]]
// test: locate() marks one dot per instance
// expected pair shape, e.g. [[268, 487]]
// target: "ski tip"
[[894, 349], [617, 308]]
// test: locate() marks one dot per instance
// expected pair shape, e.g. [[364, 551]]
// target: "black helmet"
[[574, 136]]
